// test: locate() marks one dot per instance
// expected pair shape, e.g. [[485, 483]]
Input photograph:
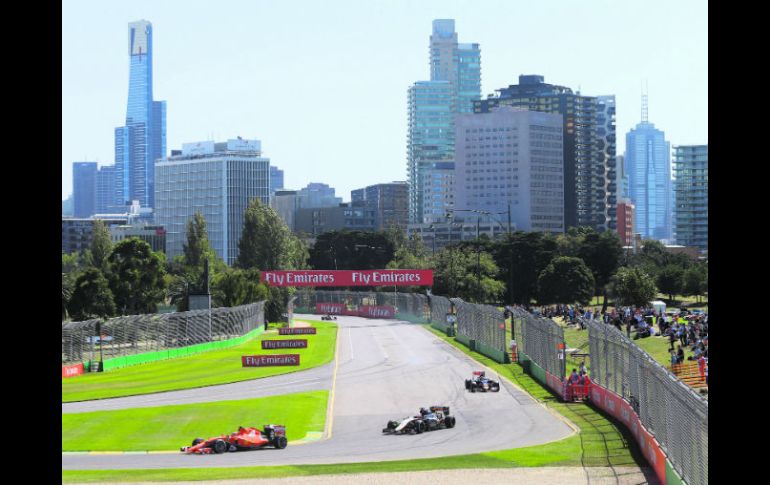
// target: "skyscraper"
[[691, 210], [455, 83], [589, 152], [276, 179], [648, 166], [389, 201], [142, 140], [84, 188], [108, 200]]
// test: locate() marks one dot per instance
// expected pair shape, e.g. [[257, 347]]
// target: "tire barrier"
[[671, 412]]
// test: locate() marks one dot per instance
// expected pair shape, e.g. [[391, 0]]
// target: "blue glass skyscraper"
[[84, 188], [142, 140], [648, 166]]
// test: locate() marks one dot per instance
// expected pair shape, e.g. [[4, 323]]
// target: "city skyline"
[[324, 86]]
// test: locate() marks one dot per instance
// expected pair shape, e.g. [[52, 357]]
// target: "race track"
[[386, 370]]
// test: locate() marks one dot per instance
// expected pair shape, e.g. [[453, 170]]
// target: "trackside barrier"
[[411, 307], [129, 360], [72, 370], [133, 339], [483, 327], [616, 406], [626, 379]]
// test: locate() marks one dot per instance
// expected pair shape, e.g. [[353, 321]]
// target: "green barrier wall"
[[440, 326], [147, 357], [532, 369], [672, 477], [471, 344], [496, 355]]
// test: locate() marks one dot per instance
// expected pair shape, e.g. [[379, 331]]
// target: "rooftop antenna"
[[644, 103]]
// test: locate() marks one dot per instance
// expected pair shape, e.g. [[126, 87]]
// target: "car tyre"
[[281, 442], [197, 440], [220, 446], [473, 388], [450, 422], [420, 427], [496, 388], [467, 384]]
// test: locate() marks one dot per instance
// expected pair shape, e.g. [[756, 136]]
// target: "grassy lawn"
[[170, 427], [205, 369], [602, 441]]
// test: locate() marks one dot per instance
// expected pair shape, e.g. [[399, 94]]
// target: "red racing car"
[[243, 439]]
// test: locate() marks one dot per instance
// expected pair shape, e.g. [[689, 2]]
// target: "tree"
[[101, 244], [197, 247], [456, 275], [67, 287], [235, 287], [669, 280], [695, 281], [525, 255], [91, 297], [411, 255], [602, 254], [264, 243], [565, 280], [136, 276], [351, 250], [632, 287]]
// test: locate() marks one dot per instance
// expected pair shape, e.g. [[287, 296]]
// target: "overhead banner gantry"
[[364, 277]]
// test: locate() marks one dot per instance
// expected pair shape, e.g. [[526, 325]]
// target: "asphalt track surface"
[[385, 369]]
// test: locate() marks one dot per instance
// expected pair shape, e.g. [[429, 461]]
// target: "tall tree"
[[67, 287], [565, 280], [264, 243], [351, 250], [91, 297], [411, 255], [456, 275], [234, 287], [136, 276], [101, 245], [693, 280], [197, 247], [525, 255], [669, 280], [602, 254], [632, 286]]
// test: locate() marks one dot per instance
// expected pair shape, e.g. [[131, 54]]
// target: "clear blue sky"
[[323, 83]]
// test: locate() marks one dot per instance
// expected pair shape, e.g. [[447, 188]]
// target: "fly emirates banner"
[[367, 277]]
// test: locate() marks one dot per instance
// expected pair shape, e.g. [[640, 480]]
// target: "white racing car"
[[435, 417]]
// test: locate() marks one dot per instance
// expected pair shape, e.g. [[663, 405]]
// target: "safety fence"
[[540, 348], [481, 328], [674, 415], [442, 314], [135, 339]]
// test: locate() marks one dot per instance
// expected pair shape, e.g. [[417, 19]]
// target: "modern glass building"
[[276, 179], [648, 167], [84, 188], [216, 179], [691, 209], [388, 201], [511, 157], [430, 147], [588, 155], [318, 195], [142, 141], [455, 83]]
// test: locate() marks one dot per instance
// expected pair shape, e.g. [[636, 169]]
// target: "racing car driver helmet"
[[424, 411]]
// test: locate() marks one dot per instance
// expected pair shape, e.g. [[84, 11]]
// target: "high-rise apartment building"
[[216, 179], [84, 188], [142, 141], [455, 83], [511, 158], [588, 152], [648, 166], [625, 217], [286, 203], [691, 209]]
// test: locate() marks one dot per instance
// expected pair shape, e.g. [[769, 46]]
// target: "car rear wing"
[[443, 409], [479, 373], [278, 429]]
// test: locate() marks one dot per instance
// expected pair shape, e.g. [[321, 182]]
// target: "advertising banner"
[[297, 331], [370, 277], [377, 311], [330, 308], [72, 370], [284, 344], [269, 360]]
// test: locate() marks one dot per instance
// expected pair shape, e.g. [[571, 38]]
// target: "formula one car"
[[435, 417], [328, 317], [479, 382], [243, 439]]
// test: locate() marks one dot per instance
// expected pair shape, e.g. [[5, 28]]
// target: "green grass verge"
[[601, 442], [170, 427], [205, 369]]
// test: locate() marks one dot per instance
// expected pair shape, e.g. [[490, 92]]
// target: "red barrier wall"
[[369, 311], [622, 410], [72, 370]]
